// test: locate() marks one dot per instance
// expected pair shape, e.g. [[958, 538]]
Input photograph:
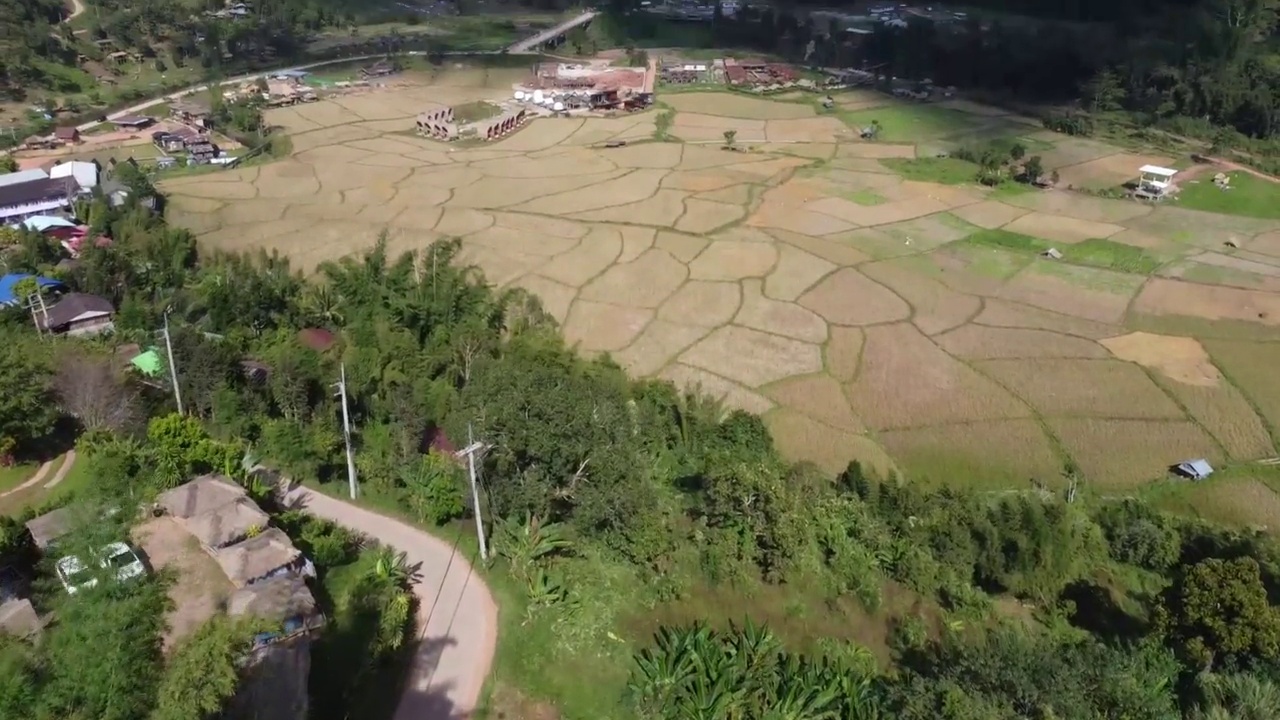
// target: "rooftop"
[[199, 496], [49, 527], [278, 599], [75, 305], [257, 557], [228, 523], [8, 282]]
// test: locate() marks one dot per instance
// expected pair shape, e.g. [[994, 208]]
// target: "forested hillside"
[[1186, 66], [26, 41], [619, 507]]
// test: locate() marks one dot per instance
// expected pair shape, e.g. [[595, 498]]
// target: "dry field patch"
[[801, 438], [732, 394], [594, 326], [704, 304], [1251, 366], [1099, 295], [1068, 151], [736, 106], [1267, 243], [819, 397], [937, 308], [843, 353], [556, 297], [1226, 414], [499, 265], [806, 130], [907, 381], [1083, 387], [656, 346], [734, 260], [753, 358], [711, 129], [642, 283], [663, 209], [979, 342], [1119, 455], [832, 250], [540, 134], [575, 267], [569, 165], [1201, 229], [556, 196], [847, 297], [1108, 172], [795, 272], [993, 455], [1172, 297], [702, 216], [1182, 359], [787, 217], [681, 246], [1062, 229], [1059, 202], [780, 318], [1001, 313]]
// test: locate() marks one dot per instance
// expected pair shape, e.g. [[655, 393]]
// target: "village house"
[[77, 314], [36, 196], [66, 135], [191, 112]]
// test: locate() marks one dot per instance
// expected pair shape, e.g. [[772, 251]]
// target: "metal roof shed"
[[1194, 469]]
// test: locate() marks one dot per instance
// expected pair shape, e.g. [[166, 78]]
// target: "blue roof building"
[[41, 223], [7, 283]]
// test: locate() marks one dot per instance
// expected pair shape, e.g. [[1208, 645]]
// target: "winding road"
[[457, 618]]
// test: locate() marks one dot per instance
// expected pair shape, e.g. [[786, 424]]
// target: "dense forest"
[[609, 497]]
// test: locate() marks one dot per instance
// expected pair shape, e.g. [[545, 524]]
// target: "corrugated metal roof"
[[23, 176]]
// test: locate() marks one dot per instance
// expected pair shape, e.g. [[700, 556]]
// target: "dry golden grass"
[[1252, 367], [979, 342], [778, 317], [753, 358], [599, 326], [819, 397], [657, 346], [642, 283], [1001, 313], [1225, 413], [1211, 302], [1087, 388], [1232, 501], [907, 381], [1117, 455], [937, 308], [707, 383], [1099, 295], [799, 437]]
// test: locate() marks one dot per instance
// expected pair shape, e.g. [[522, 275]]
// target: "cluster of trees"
[[1128, 613]]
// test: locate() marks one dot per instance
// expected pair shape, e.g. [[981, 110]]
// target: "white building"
[[85, 173]]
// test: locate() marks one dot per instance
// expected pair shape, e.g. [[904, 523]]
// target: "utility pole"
[[173, 366], [470, 451], [346, 429]]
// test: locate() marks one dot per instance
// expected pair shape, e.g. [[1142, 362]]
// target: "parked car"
[[117, 556]]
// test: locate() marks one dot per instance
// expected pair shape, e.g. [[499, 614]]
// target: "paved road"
[[457, 617], [529, 44]]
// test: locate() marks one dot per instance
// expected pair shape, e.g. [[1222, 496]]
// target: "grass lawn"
[[77, 478], [1249, 195], [946, 170], [1094, 252], [1241, 496], [474, 111], [14, 475], [909, 123]]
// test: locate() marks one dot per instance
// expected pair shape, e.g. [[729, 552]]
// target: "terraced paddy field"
[[901, 322]]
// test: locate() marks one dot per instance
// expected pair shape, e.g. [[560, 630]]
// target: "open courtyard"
[[901, 322]]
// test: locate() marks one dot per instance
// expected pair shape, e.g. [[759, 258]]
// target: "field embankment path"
[[457, 617]]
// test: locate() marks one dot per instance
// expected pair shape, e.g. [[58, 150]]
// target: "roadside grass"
[[1248, 195], [339, 656], [909, 123], [14, 475], [942, 170], [1094, 252]]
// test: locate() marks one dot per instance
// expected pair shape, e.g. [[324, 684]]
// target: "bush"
[[1070, 123]]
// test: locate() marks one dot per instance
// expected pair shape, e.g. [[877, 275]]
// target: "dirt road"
[[457, 618]]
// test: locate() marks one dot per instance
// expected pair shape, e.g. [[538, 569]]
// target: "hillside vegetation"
[[623, 508]]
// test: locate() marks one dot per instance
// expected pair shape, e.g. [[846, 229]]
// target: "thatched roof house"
[[228, 523], [49, 527], [202, 495], [257, 558], [282, 599]]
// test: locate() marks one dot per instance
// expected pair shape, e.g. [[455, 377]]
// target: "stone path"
[[457, 617]]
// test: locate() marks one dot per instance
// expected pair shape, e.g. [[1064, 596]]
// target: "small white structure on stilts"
[[1155, 182]]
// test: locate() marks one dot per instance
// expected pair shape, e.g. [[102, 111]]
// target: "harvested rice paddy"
[[869, 298]]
